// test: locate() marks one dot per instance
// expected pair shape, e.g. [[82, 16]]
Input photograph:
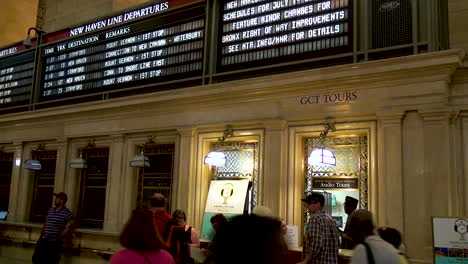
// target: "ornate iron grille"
[[43, 188], [93, 188], [241, 161], [6, 167], [158, 177]]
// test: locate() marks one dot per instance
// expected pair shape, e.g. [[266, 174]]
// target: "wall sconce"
[[80, 163], [140, 160], [322, 155], [33, 164], [27, 42], [217, 158]]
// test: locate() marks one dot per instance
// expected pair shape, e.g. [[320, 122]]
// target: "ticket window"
[[348, 177], [242, 161]]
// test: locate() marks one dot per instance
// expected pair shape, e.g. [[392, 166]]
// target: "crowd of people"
[[152, 235]]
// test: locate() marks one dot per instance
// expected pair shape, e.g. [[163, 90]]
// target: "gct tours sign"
[[330, 98]]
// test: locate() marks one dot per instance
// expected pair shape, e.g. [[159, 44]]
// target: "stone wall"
[[15, 19]]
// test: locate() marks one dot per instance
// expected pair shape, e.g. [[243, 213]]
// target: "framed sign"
[[450, 236], [227, 197]]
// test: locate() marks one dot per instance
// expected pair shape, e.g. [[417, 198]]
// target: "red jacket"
[[161, 220]]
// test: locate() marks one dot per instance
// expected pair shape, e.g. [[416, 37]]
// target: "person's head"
[[391, 235], [361, 225], [284, 227], [263, 211], [140, 233], [314, 202], [179, 217], [254, 240], [158, 200], [61, 199], [350, 204], [217, 221]]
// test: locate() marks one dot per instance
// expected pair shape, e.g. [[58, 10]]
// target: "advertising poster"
[[450, 240], [226, 197]]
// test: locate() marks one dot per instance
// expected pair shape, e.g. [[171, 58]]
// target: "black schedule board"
[[16, 78], [124, 57], [261, 32]]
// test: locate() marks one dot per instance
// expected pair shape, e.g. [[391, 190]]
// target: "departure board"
[[16, 78], [123, 57], [260, 31]]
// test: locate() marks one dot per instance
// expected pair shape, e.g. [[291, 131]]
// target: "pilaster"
[[114, 193], [273, 184], [438, 174], [15, 194], [415, 188], [465, 162], [61, 165], [389, 182], [188, 187]]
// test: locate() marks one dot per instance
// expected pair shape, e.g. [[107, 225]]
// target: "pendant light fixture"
[[80, 163], [217, 157], [322, 155], [140, 160], [34, 164]]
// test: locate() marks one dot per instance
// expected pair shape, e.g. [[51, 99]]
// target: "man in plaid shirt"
[[321, 238]]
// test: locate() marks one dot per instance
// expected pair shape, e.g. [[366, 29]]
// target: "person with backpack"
[[393, 236], [371, 249], [162, 219]]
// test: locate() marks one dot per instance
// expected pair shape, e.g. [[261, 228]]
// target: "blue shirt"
[[56, 222]]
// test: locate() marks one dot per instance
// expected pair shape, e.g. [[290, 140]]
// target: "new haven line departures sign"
[[256, 30], [125, 56]]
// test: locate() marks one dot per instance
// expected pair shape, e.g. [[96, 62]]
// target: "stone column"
[[438, 174], [186, 184], [15, 195], [61, 165], [414, 184], [273, 183], [114, 188], [389, 179], [464, 197]]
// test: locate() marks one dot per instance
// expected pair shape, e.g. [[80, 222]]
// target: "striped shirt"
[[322, 239], [56, 222]]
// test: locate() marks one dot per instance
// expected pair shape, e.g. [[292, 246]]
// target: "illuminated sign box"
[[257, 32], [161, 48], [324, 183]]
